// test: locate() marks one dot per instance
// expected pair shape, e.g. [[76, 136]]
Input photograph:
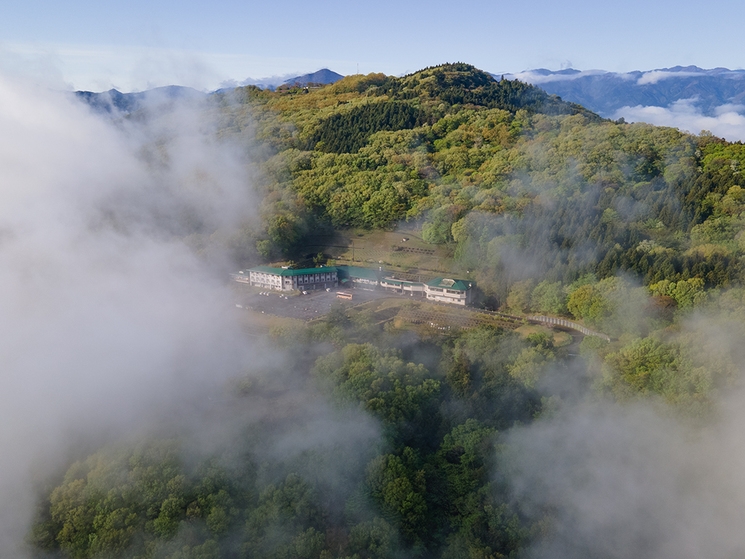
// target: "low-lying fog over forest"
[[148, 413]]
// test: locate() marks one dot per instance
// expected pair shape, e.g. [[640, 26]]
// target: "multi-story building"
[[285, 279], [447, 290]]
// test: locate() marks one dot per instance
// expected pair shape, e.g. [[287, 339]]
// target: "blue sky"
[[134, 45]]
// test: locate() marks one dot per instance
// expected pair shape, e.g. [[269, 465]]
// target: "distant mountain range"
[[710, 92], [114, 100], [109, 101], [607, 92]]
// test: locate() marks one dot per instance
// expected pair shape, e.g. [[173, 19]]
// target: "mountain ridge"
[[323, 76], [606, 92]]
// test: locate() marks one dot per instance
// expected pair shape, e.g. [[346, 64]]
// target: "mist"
[[606, 477], [110, 321], [632, 482], [726, 121]]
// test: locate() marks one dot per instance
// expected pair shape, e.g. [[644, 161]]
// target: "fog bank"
[[107, 316], [632, 480]]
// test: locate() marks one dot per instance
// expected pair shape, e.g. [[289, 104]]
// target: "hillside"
[[519, 183]]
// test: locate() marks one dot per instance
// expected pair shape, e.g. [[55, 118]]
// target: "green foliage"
[[686, 293], [482, 371], [587, 302], [399, 393], [399, 487], [376, 539], [437, 229], [648, 366], [519, 299], [347, 132], [425, 490], [596, 303], [119, 502], [462, 84], [549, 298]]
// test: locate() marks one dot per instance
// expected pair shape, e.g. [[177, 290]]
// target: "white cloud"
[[102, 67], [658, 75], [536, 78], [727, 122]]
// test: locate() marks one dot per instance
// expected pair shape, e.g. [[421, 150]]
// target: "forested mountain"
[[365, 439], [606, 92], [520, 183]]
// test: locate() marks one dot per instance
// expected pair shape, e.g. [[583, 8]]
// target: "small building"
[[447, 290], [285, 279]]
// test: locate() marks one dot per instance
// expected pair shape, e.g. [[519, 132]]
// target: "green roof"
[[359, 272], [299, 272], [449, 283], [390, 281]]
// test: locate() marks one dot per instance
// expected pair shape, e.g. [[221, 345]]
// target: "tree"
[[519, 299], [549, 298], [399, 487]]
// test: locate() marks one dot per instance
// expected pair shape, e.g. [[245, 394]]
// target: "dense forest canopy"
[[631, 229]]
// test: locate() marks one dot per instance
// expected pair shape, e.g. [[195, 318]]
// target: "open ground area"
[[296, 305], [402, 251], [264, 310]]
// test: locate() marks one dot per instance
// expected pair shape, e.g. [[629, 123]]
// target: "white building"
[[447, 290], [284, 279]]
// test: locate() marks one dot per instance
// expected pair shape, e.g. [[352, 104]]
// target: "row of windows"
[[448, 291], [315, 278]]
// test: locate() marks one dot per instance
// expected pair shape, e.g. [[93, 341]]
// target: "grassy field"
[[402, 251]]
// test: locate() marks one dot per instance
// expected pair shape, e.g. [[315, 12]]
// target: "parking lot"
[[304, 307]]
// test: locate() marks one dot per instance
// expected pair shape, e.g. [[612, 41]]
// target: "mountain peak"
[[323, 76]]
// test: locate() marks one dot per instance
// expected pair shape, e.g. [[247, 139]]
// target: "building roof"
[[394, 281], [449, 283], [358, 272], [299, 272]]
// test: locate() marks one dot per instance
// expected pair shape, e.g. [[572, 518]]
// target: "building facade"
[[403, 287], [359, 277], [285, 279], [441, 290], [447, 290]]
